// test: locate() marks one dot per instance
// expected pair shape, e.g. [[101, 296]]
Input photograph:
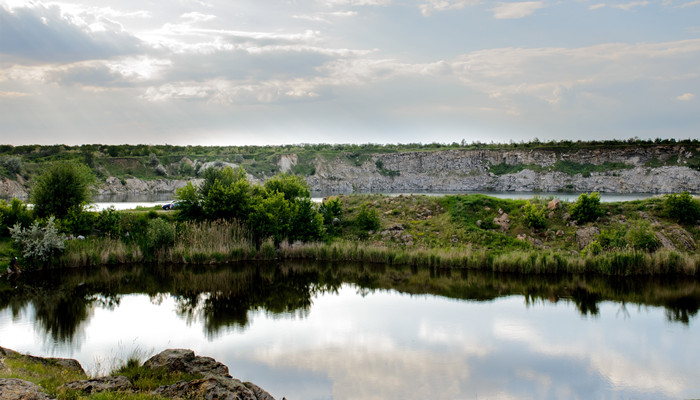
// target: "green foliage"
[[12, 165], [65, 185], [39, 243], [682, 207], [159, 235], [291, 186], [367, 220], [147, 379], [271, 217], [384, 171], [573, 168], [504, 169], [586, 208], [189, 203], [332, 212], [641, 237], [108, 222], [534, 216], [611, 239], [77, 222], [306, 222], [14, 213], [227, 201]]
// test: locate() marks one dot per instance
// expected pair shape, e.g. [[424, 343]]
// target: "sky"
[[258, 72]]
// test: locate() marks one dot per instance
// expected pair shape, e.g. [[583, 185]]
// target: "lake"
[[348, 331]]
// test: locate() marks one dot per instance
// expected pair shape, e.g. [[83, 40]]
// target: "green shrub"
[[39, 243], [332, 212], [641, 237], [292, 186], [159, 234], [587, 208], [534, 216], [307, 223], [14, 213], [367, 220], [611, 238], [682, 207], [108, 222]]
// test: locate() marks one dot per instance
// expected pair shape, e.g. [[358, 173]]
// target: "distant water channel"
[[328, 331], [129, 201]]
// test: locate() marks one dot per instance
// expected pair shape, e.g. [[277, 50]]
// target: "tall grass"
[[211, 242]]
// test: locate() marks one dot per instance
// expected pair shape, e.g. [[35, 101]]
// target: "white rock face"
[[465, 170]]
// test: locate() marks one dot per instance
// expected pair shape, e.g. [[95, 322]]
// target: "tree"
[[291, 186], [64, 186]]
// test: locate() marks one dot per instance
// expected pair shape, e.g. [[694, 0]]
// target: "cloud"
[[630, 5], [686, 97], [431, 6], [516, 10], [690, 4], [596, 6], [13, 95], [332, 3], [43, 34]]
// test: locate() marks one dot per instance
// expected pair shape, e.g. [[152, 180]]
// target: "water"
[[325, 331]]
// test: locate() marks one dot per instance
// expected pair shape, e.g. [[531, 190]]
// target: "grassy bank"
[[474, 232]]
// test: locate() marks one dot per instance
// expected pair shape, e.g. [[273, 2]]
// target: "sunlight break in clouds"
[[428, 7], [516, 10], [630, 5], [686, 97]]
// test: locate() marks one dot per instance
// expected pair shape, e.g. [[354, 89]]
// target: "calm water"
[[323, 331]]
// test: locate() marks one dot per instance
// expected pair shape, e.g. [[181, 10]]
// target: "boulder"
[[107, 383], [213, 388], [17, 389], [585, 235], [184, 360]]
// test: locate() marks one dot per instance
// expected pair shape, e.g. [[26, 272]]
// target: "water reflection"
[[223, 297], [328, 331]]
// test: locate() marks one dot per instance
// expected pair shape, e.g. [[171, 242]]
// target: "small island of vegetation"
[[227, 218]]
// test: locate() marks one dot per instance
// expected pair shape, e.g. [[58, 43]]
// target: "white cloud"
[[516, 10], [13, 95], [430, 6], [690, 4], [194, 17], [596, 6], [630, 5], [357, 2], [686, 97]]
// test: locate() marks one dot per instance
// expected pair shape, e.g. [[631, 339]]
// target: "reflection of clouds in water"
[[640, 371], [363, 372]]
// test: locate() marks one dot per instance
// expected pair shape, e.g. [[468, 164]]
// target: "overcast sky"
[[221, 72]]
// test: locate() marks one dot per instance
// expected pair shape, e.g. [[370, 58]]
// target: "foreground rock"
[[216, 383], [17, 389]]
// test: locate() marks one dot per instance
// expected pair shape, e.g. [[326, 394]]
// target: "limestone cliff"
[[471, 170]]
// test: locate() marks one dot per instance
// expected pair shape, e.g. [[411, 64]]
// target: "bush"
[[292, 186], [534, 216], [159, 234], [682, 207], [14, 213], [307, 223], [108, 222], [587, 208], [332, 212], [367, 220], [641, 237], [63, 186], [39, 244]]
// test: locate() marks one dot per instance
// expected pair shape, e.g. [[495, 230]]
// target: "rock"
[[184, 360], [502, 221], [560, 233], [213, 388], [107, 383], [17, 389], [584, 236], [554, 204], [68, 364]]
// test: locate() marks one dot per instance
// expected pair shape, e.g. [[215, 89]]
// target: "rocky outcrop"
[[184, 360], [17, 389], [470, 170], [103, 384], [114, 185], [10, 188], [216, 383]]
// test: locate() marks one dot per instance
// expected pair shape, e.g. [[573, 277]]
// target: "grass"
[[43, 372], [147, 379]]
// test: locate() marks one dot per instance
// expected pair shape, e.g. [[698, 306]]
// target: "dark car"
[[170, 206]]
